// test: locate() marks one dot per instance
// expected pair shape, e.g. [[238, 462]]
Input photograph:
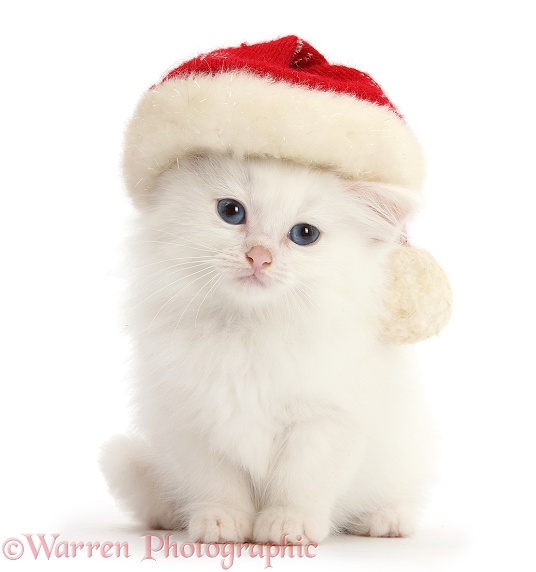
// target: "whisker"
[[179, 291], [168, 285], [288, 308], [172, 260], [189, 304], [218, 280], [305, 295], [298, 305], [177, 268]]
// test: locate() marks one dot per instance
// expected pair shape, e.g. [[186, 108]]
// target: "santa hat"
[[283, 99], [280, 99]]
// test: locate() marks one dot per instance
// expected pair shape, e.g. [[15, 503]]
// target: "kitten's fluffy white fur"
[[269, 407]]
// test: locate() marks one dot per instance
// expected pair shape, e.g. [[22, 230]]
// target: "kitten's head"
[[257, 233]]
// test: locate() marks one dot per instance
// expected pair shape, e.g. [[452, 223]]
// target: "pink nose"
[[258, 257]]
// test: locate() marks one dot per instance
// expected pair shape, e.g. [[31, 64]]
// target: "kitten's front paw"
[[220, 524], [390, 521], [286, 525]]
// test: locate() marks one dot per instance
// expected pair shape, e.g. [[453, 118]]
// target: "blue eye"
[[304, 234], [231, 211]]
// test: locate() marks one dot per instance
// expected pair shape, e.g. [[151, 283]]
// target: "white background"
[[461, 72]]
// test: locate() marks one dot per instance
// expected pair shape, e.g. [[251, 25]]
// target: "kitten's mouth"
[[253, 279]]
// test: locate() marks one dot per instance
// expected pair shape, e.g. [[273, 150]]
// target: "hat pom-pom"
[[419, 302]]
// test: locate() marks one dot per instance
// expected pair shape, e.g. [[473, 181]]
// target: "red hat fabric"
[[288, 59], [281, 99]]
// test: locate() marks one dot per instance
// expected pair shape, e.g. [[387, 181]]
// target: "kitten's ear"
[[384, 208]]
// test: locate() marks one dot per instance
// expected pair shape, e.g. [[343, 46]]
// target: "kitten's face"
[[259, 231]]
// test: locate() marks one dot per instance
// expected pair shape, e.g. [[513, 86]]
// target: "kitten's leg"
[[129, 468], [391, 486], [187, 487], [219, 504], [393, 520], [315, 463]]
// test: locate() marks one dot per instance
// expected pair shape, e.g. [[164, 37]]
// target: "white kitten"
[[264, 403]]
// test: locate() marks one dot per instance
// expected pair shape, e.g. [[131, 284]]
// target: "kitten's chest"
[[252, 376], [249, 388], [264, 366]]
